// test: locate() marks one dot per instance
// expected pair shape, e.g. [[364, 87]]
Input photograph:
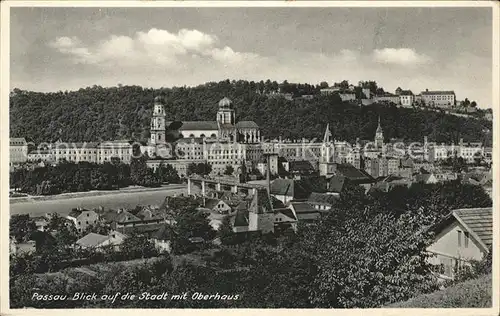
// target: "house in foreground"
[[463, 236]]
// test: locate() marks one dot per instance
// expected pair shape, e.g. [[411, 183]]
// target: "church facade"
[[221, 143], [224, 128]]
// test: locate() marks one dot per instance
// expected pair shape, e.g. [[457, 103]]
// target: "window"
[[459, 238], [466, 239]]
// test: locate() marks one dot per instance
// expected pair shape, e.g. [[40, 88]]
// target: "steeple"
[[379, 135], [379, 128], [328, 134]]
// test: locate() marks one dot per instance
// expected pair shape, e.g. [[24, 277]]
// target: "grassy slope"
[[476, 293]]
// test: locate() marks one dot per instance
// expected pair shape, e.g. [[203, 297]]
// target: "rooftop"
[[438, 92], [17, 141], [91, 240], [247, 124], [478, 221], [197, 125]]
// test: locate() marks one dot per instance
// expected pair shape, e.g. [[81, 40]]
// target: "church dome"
[[159, 99], [225, 103]]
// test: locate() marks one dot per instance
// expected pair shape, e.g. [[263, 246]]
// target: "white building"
[[40, 155], [406, 98], [18, 150], [347, 96], [442, 99], [82, 218]]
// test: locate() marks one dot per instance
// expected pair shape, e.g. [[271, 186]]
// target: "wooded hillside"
[[97, 113]]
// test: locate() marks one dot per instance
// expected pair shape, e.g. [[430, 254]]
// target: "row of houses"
[[149, 220]]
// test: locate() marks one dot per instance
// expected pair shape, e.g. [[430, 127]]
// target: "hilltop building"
[[441, 99]]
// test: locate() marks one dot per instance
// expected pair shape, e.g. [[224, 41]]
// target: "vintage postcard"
[[250, 155]]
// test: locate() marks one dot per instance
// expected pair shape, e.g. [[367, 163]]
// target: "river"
[[116, 200]]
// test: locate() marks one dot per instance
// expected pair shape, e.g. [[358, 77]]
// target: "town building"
[[387, 98], [99, 242], [341, 174], [406, 98], [464, 235], [322, 202], [329, 90], [347, 96], [120, 150], [82, 219], [470, 151], [18, 150], [305, 212], [382, 166], [75, 152], [40, 155], [287, 190], [259, 217]]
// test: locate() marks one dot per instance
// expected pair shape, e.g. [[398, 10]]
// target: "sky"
[[55, 49]]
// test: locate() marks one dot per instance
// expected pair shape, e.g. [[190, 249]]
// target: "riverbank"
[[112, 200], [70, 195]]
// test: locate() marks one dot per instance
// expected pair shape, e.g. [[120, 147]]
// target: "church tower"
[[326, 146], [158, 128], [225, 115], [379, 135]]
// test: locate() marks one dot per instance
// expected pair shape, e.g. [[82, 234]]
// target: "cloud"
[[152, 48], [399, 56], [71, 46]]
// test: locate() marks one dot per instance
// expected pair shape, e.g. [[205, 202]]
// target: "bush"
[[475, 293]]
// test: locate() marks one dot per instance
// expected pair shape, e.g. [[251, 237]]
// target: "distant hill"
[[97, 113]]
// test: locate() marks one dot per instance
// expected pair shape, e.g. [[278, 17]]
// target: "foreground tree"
[[369, 258], [20, 226]]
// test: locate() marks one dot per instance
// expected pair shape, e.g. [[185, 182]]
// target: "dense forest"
[[124, 112]]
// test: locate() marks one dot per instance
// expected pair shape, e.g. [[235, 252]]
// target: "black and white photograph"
[[250, 155]]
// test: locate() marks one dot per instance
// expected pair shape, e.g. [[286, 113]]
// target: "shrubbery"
[[475, 293]]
